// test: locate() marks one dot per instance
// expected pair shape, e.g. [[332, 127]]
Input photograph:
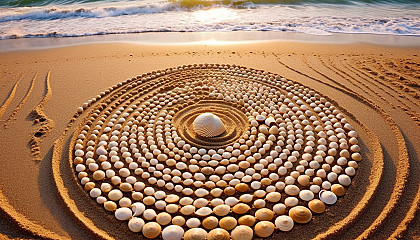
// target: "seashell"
[[210, 222], [163, 218], [204, 211], [208, 125], [219, 234], [291, 190], [241, 208], [172, 208], [115, 195], [246, 198], [247, 220], [259, 203], [344, 180], [193, 222], [178, 220], [110, 206], [172, 232], [195, 234], [304, 180], [279, 208], [200, 202], [101, 150], [172, 198], [273, 197], [242, 232], [123, 213], [151, 230], [222, 210], [228, 223], [264, 214], [201, 192], [264, 228], [316, 206], [300, 214], [231, 201], [327, 197], [187, 210], [291, 201], [125, 202], [135, 224], [284, 223], [306, 195], [149, 214], [241, 187], [338, 190]]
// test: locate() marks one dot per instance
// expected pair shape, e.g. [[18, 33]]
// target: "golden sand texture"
[[377, 88]]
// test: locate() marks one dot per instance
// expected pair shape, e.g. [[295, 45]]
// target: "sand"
[[376, 87]]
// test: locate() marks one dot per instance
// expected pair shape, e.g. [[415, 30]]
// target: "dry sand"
[[378, 88]]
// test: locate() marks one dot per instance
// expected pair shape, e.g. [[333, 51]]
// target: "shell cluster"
[[292, 156]]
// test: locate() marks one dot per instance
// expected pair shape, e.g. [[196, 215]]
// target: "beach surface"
[[376, 87]]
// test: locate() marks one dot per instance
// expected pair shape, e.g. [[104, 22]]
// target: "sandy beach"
[[376, 87]]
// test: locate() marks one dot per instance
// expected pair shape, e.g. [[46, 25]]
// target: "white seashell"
[[172, 232], [344, 180], [246, 198], [123, 213], [306, 195], [101, 150], [291, 201], [138, 208], [201, 192], [115, 195], [135, 224], [284, 223], [231, 201], [279, 208], [193, 222], [204, 211], [327, 197], [291, 190], [273, 197], [149, 214], [208, 125]]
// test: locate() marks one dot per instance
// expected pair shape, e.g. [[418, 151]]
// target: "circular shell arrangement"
[[211, 151]]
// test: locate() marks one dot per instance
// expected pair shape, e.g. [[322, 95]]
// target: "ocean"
[[71, 18]]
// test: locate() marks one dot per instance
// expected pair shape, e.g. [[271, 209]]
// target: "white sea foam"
[[157, 16]]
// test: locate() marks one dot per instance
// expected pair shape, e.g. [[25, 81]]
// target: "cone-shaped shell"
[[327, 197], [264, 228], [300, 214], [284, 223], [221, 210], [172, 232], [208, 125], [228, 223], [264, 214], [316, 206], [218, 234], [151, 230], [210, 222], [242, 233], [195, 234], [247, 220]]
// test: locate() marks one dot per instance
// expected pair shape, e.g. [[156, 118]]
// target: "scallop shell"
[[242, 232], [135, 224], [264, 228], [123, 213], [300, 214], [151, 230], [219, 234], [208, 125], [316, 206], [195, 234], [284, 223], [172, 232], [327, 197]]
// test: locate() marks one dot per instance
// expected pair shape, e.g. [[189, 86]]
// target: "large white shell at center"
[[208, 125]]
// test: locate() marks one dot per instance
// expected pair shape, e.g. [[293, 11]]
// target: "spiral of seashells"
[[174, 153]]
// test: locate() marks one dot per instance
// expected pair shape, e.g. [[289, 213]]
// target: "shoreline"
[[211, 38]]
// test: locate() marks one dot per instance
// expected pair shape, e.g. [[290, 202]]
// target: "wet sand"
[[376, 87]]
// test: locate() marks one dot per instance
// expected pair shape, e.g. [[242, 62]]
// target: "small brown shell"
[[264, 214], [300, 214], [317, 206], [264, 228], [247, 220], [242, 187], [221, 210], [228, 223], [242, 232], [218, 234], [338, 190], [151, 230], [210, 222], [241, 208], [195, 234]]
